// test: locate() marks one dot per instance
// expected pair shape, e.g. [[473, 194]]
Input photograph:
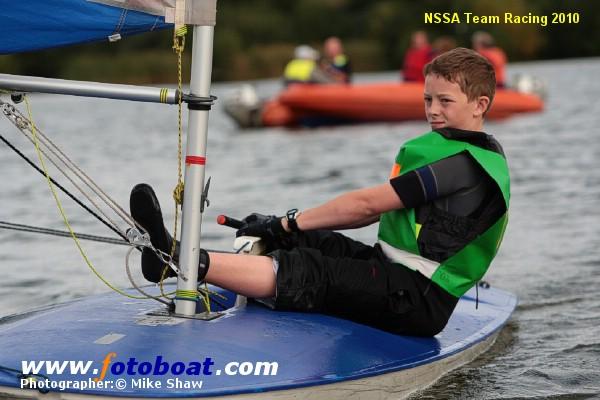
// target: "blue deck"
[[310, 349]]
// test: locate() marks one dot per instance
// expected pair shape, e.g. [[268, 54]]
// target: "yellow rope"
[[204, 296], [162, 278], [62, 211], [178, 47]]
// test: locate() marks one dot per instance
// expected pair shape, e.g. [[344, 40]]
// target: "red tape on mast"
[[197, 160]]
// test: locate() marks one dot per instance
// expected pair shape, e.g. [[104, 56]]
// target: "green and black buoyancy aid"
[[399, 232]]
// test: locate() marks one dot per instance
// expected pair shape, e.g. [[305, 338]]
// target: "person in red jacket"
[[416, 57], [483, 43]]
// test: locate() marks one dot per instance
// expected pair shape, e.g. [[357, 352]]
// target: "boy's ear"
[[483, 103]]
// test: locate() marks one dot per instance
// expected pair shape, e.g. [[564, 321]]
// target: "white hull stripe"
[[413, 261]]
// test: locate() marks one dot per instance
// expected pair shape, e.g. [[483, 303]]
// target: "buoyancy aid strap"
[[413, 261]]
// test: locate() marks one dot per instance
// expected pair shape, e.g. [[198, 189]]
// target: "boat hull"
[[317, 356], [380, 102]]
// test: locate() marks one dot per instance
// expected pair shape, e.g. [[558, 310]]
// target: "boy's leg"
[[334, 244], [367, 291], [305, 280], [146, 211], [251, 276], [372, 292]]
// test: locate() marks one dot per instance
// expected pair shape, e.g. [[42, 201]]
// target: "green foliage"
[[255, 38]]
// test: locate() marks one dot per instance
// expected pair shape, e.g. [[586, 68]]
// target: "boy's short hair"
[[469, 69]]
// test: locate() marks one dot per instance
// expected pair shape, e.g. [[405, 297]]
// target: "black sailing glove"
[[267, 227], [270, 229]]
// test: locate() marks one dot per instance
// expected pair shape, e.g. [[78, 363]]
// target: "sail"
[[27, 25]]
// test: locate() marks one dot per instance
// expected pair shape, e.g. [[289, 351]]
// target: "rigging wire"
[[95, 238], [56, 232], [62, 188], [62, 211], [104, 239], [43, 146], [39, 140]]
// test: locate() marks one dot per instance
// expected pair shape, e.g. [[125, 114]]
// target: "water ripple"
[[550, 256]]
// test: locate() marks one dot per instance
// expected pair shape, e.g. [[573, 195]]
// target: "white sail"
[[191, 12]]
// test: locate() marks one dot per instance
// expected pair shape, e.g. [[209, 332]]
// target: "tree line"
[[255, 38]]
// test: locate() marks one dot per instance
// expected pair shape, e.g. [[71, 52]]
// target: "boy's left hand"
[[267, 227]]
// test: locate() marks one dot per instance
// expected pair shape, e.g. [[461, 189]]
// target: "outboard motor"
[[529, 84], [244, 106]]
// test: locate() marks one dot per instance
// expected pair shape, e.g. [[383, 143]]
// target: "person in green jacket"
[[441, 215]]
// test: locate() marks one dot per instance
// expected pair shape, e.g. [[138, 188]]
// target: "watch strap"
[[291, 216]]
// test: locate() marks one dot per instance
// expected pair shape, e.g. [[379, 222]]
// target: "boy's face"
[[446, 106]]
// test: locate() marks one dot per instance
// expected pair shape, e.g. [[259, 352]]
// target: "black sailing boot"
[[145, 210]]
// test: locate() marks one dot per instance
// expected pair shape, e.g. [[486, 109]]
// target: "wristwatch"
[[291, 216]]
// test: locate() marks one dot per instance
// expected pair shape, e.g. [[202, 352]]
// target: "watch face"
[[291, 214], [291, 218]]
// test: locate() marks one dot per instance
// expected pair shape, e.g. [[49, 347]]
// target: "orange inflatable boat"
[[375, 102]]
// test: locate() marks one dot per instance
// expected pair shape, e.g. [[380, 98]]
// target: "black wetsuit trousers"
[[327, 272]]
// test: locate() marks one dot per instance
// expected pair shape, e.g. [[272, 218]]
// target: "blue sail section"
[[27, 25]]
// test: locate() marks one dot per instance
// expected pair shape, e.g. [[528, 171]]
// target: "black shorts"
[[330, 273]]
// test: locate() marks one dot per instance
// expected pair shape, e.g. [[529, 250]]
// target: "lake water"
[[550, 257]]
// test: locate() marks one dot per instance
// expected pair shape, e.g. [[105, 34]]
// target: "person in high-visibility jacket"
[[442, 216], [304, 68]]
